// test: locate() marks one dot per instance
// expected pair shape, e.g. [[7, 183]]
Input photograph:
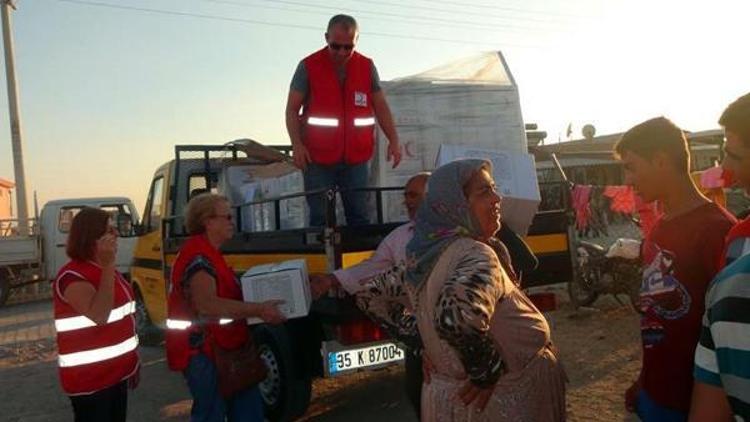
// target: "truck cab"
[[57, 215], [36, 254]]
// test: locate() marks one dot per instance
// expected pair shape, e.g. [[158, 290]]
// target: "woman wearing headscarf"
[[490, 349]]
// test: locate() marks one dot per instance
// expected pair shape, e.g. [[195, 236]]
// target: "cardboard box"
[[285, 281], [515, 177], [243, 183]]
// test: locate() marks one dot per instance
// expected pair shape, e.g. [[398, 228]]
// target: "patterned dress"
[[475, 325]]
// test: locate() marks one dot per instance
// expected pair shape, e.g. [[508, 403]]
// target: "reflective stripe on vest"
[[98, 355], [364, 121], [79, 322], [322, 121], [177, 324]]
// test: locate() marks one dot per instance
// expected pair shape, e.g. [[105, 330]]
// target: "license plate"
[[379, 354]]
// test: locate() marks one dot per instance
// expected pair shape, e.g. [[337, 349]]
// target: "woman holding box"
[[207, 337]]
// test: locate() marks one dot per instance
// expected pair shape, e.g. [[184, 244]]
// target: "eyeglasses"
[[227, 217], [336, 47]]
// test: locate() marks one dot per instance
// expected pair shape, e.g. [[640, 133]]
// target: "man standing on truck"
[[722, 380], [334, 101], [681, 255]]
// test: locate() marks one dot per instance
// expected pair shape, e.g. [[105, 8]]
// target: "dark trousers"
[[208, 403], [414, 378], [110, 404], [345, 177]]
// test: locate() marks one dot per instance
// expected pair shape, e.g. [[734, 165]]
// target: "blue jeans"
[[208, 403], [343, 176], [648, 410]]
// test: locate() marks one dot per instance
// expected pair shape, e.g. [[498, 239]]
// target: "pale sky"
[[106, 92]]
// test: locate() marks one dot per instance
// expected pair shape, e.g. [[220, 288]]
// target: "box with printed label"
[[285, 281]]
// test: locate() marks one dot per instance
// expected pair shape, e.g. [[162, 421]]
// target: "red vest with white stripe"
[[338, 123], [182, 321], [94, 357]]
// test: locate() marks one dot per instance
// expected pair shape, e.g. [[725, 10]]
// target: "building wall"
[[703, 159], [5, 203]]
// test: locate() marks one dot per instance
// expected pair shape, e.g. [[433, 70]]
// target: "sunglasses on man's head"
[[337, 47]]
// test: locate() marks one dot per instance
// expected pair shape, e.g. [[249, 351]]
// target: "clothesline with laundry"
[[595, 205]]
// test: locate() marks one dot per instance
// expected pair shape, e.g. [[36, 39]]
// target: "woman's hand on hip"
[[470, 393]]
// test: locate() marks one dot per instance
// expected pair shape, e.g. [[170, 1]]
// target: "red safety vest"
[[182, 321], [738, 242], [94, 357], [338, 124]]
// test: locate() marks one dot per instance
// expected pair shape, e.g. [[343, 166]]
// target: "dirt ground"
[[599, 347], [601, 352]]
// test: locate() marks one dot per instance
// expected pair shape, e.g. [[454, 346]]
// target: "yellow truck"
[[335, 338]]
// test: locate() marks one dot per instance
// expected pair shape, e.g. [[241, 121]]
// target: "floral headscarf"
[[443, 217]]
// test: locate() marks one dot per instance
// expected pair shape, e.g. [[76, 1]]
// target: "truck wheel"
[[285, 395], [148, 333], [4, 290]]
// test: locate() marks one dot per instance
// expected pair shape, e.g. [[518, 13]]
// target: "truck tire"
[[286, 395], [148, 333], [4, 290]]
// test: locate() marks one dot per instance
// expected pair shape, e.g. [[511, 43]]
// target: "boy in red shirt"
[[680, 257]]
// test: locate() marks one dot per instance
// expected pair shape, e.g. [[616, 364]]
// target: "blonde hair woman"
[[206, 314]]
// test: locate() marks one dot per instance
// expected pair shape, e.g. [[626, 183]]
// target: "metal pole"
[[15, 120]]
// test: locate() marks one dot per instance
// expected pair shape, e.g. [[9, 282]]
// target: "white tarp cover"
[[472, 102], [484, 68]]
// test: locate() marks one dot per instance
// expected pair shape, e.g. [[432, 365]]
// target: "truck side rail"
[[13, 227], [232, 153], [330, 196], [19, 246], [332, 239]]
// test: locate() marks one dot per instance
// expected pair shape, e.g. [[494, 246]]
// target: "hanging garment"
[[711, 183], [712, 178], [599, 220], [581, 195], [623, 199]]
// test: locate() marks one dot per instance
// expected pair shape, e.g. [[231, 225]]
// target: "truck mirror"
[[125, 225]]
